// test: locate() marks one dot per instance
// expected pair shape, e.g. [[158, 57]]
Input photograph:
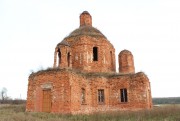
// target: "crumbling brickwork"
[[84, 79]]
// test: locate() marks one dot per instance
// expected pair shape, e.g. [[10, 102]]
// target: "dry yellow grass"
[[161, 113]]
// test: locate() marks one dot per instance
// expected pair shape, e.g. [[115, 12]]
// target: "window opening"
[[95, 53], [59, 55], [83, 95], [101, 95], [68, 59], [123, 95], [111, 60]]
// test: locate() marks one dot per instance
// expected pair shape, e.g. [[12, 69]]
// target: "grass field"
[[160, 113]]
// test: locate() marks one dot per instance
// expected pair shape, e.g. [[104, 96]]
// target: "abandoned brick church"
[[84, 78]]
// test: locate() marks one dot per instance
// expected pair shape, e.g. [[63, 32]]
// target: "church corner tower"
[[126, 62], [83, 79]]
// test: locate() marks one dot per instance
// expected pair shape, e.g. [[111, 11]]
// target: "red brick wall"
[[80, 71], [85, 19], [126, 62], [66, 91], [137, 87], [81, 54], [59, 84], [80, 45]]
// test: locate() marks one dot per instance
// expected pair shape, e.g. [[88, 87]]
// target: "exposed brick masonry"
[[84, 79]]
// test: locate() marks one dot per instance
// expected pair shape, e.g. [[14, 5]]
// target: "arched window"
[[111, 60], [95, 53], [59, 55], [83, 95], [68, 59]]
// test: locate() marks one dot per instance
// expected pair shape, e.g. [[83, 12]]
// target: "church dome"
[[85, 49], [63, 42], [125, 52], [86, 30]]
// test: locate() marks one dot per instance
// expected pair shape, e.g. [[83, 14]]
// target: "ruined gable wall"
[[137, 85], [30, 95], [91, 85], [138, 92], [96, 84], [79, 82], [141, 91], [58, 82]]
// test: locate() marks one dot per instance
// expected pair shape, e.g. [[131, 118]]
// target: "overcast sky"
[[150, 29]]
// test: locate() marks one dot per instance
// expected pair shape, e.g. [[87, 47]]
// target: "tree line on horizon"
[[156, 101], [166, 100]]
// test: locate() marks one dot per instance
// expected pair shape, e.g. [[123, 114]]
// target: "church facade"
[[84, 78]]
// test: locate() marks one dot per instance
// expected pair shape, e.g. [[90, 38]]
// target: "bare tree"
[[3, 94]]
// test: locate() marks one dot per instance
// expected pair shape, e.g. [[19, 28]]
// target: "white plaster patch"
[[47, 86], [76, 57]]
